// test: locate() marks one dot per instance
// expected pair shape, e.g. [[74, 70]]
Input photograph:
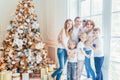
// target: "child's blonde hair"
[[72, 41], [89, 39], [84, 34]]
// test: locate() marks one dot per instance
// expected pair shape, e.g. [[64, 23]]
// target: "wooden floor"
[[64, 76], [82, 78]]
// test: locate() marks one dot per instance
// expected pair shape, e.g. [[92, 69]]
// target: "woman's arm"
[[59, 36], [83, 52], [94, 47], [62, 40]]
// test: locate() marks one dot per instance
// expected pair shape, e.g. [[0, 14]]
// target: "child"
[[72, 60], [81, 54], [88, 66], [98, 53]]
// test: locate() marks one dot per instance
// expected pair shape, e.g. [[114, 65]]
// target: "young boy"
[[98, 53]]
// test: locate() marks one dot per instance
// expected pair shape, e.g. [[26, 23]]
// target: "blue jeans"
[[72, 71], [89, 69], [98, 61], [62, 57]]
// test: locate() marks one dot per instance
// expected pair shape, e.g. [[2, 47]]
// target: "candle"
[[49, 75], [43, 72], [45, 77], [1, 75], [7, 75], [16, 76], [25, 76]]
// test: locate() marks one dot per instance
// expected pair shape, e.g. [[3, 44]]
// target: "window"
[[99, 11], [115, 5], [91, 10], [72, 9], [85, 8], [96, 6], [115, 41]]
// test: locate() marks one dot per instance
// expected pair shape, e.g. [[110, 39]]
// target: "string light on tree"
[[22, 49]]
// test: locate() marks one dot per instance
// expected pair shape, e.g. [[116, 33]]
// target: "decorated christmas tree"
[[22, 49]]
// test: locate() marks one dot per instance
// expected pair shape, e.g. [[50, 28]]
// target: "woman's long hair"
[[91, 23], [65, 27]]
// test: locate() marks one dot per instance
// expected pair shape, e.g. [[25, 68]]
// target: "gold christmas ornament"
[[25, 5]]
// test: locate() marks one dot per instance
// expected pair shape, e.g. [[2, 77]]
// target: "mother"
[[63, 38]]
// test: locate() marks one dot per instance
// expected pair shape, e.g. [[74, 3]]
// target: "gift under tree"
[[22, 49]]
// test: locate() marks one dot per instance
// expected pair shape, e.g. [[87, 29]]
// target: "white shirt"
[[90, 34], [65, 40], [81, 56], [83, 29], [75, 33], [89, 48], [99, 51], [75, 58]]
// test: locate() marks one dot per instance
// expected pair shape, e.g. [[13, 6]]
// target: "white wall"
[[56, 14]]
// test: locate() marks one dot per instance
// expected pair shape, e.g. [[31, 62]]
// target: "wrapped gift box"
[[7, 75], [1, 75], [34, 75], [16, 76]]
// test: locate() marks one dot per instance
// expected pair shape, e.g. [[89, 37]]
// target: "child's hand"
[[59, 39], [88, 56], [72, 55], [94, 45], [68, 50], [69, 56], [84, 49]]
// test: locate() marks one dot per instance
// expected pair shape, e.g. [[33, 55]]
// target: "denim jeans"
[[62, 57], [72, 71], [98, 61], [89, 69]]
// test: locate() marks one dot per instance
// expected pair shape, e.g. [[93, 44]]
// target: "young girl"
[[98, 53], [72, 60], [63, 38], [81, 55], [88, 66]]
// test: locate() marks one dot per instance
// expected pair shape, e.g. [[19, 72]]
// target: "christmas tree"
[[22, 49]]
